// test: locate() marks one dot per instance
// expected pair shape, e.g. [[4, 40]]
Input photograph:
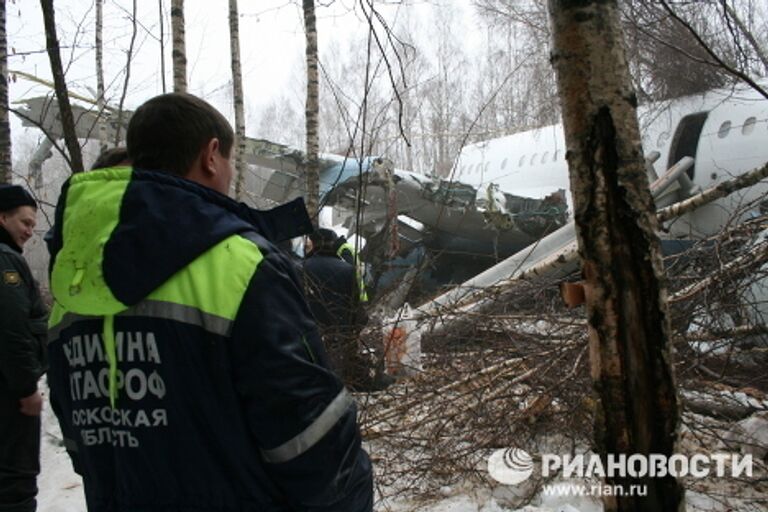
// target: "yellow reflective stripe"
[[346, 246], [56, 315], [358, 270], [206, 293], [77, 280], [216, 281]]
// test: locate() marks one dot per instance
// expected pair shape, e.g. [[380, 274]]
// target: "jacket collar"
[[5, 238]]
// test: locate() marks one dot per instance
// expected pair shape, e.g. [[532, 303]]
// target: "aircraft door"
[[686, 140]]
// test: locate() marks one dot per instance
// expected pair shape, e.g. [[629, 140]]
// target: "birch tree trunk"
[[128, 60], [161, 18], [5, 126], [60, 86], [312, 112], [179, 53], [237, 93], [630, 355], [100, 99]]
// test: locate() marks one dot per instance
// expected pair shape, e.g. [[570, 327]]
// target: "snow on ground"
[[61, 489]]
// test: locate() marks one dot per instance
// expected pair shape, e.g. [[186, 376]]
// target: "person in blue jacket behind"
[[185, 368]]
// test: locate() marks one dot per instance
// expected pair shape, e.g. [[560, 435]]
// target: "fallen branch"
[[711, 194]]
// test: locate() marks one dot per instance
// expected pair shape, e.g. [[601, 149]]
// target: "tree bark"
[[237, 94], [128, 59], [5, 125], [638, 409], [100, 99], [312, 112], [179, 53], [713, 193], [60, 86], [162, 43]]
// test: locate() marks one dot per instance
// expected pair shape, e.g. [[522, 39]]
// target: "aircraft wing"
[[43, 112]]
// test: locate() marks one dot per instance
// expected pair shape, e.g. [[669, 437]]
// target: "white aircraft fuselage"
[[724, 130]]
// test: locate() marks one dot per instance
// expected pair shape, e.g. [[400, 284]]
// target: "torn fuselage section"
[[480, 219], [461, 229]]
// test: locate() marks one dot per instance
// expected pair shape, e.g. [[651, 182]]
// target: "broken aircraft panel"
[[480, 219]]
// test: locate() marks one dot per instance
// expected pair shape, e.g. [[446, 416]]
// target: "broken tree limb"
[[753, 258], [719, 409], [482, 378], [711, 194], [553, 256], [739, 331]]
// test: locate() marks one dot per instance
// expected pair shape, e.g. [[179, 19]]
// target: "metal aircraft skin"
[[507, 193], [503, 194], [725, 131]]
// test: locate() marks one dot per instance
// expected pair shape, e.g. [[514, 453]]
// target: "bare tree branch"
[[730, 69], [65, 109], [129, 59]]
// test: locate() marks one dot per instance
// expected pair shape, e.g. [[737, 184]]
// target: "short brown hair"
[[111, 158], [168, 132]]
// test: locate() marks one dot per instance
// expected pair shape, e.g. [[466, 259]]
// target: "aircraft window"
[[555, 155], [749, 126], [533, 158], [544, 157], [503, 164], [485, 169], [663, 136], [522, 161], [724, 129]]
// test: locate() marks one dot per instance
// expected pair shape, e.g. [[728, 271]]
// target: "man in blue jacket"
[[22, 355], [186, 371], [334, 300]]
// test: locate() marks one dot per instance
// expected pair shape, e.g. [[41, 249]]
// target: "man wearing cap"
[[23, 320]]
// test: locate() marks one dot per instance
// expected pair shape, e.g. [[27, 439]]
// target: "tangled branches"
[[518, 376]]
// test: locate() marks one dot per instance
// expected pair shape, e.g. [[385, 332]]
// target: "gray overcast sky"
[[271, 43], [271, 32]]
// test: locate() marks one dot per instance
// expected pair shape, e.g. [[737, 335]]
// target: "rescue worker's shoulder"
[[268, 250]]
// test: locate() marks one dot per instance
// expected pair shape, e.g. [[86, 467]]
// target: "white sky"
[[271, 34]]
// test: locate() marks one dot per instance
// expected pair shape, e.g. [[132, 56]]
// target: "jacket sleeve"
[[298, 411], [21, 363]]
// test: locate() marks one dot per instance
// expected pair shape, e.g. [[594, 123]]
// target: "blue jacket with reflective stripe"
[[211, 413]]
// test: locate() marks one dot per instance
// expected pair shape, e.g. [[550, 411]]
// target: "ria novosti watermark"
[[514, 466]]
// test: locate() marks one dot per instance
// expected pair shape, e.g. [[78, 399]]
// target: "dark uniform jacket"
[[186, 371], [333, 292], [23, 318]]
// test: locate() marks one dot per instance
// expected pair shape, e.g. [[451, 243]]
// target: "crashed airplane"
[[509, 193], [503, 195]]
